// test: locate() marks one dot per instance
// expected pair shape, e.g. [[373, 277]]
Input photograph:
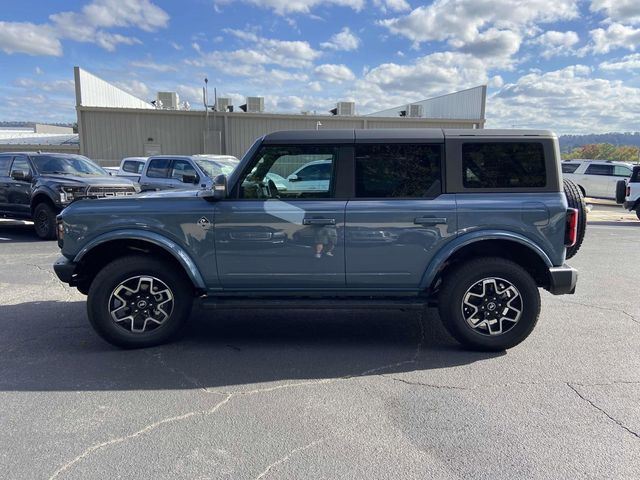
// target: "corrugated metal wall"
[[110, 134]]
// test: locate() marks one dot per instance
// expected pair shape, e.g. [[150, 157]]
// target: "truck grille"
[[101, 192]]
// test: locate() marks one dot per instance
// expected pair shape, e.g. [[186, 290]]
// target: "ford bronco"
[[475, 221]]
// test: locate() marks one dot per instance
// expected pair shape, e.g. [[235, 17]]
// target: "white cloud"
[[283, 7], [39, 71], [334, 73], [491, 43], [151, 65], [29, 38], [343, 40], [392, 5], [556, 43], [176, 46], [60, 86], [615, 36], [567, 100], [625, 11], [629, 62]]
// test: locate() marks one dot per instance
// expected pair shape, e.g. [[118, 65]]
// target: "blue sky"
[[569, 65]]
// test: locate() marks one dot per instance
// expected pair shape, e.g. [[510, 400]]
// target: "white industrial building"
[[113, 124]]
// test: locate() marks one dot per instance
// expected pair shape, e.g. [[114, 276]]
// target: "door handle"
[[430, 221], [319, 221]]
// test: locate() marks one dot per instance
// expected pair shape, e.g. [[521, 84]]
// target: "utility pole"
[[205, 94]]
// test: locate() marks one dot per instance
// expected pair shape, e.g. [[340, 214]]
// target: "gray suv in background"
[[473, 221], [163, 172]]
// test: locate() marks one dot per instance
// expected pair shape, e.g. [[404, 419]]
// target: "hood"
[[86, 180]]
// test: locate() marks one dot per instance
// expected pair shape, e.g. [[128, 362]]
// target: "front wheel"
[[44, 221], [489, 304], [137, 302]]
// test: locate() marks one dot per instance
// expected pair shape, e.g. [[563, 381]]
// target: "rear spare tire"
[[575, 199]]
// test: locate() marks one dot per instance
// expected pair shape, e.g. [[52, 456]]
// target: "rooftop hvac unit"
[[253, 105], [170, 100], [344, 109], [223, 104], [414, 111]]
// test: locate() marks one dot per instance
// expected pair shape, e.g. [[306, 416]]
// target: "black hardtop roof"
[[390, 135]]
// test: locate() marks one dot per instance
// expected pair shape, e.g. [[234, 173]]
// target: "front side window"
[[503, 165], [20, 164], [599, 169], [159, 168], [569, 167], [301, 171], [181, 168], [398, 170]]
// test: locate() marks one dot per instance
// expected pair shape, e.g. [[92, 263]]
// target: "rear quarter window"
[[503, 165], [635, 176], [569, 167], [132, 166]]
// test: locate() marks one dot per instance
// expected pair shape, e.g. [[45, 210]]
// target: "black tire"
[[44, 221], [118, 272], [462, 278], [575, 199], [621, 191], [638, 213]]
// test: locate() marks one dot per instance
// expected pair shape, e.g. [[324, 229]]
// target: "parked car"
[[131, 167], [184, 171], [628, 192], [37, 186], [392, 228], [596, 178], [113, 171]]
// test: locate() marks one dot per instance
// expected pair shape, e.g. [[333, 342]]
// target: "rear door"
[[399, 216], [19, 191], [5, 162], [157, 175]]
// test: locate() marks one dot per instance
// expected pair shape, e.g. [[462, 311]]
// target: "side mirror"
[[219, 187], [21, 175], [293, 178], [190, 178]]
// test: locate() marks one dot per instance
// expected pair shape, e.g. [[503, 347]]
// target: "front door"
[[19, 191], [269, 237], [399, 216]]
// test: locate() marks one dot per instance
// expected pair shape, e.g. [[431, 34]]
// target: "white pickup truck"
[[628, 192]]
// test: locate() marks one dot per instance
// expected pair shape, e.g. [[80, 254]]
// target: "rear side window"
[[398, 170], [159, 168], [503, 165], [132, 166], [598, 169], [4, 166], [635, 176], [569, 167]]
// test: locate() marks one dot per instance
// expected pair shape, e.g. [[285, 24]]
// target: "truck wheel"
[[638, 213], [44, 221], [575, 199], [621, 191], [137, 302], [489, 304]]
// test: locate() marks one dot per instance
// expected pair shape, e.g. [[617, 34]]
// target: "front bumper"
[[65, 270], [563, 280]]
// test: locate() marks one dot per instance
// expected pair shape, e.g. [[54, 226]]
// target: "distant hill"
[[569, 142], [30, 124]]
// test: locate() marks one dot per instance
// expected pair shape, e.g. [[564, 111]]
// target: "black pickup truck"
[[37, 186]]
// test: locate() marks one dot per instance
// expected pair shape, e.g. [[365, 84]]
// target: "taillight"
[[571, 230]]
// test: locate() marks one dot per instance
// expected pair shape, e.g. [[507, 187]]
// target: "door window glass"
[[302, 171], [4, 165], [599, 169], [398, 170], [503, 165], [132, 166], [620, 171], [20, 164], [182, 167], [159, 168], [569, 167]]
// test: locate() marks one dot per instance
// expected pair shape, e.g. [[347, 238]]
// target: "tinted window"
[[503, 165], [569, 167], [620, 171], [132, 166], [159, 168], [4, 165], [271, 173], [20, 164], [596, 169], [384, 170], [635, 177], [182, 167]]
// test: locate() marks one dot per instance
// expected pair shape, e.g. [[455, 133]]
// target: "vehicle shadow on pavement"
[[17, 233], [49, 346]]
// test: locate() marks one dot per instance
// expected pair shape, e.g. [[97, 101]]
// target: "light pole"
[[206, 111]]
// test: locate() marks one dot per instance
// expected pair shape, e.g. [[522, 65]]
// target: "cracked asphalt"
[[314, 394]]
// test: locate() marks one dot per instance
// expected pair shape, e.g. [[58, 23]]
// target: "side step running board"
[[224, 303]]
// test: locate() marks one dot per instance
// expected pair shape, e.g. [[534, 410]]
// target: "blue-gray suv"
[[475, 221]]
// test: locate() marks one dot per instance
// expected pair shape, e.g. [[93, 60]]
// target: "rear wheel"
[[139, 302], [575, 199], [44, 221], [489, 304], [638, 213]]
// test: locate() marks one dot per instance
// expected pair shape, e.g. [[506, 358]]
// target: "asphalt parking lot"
[[293, 395]]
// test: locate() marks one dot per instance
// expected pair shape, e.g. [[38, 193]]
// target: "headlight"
[[71, 193]]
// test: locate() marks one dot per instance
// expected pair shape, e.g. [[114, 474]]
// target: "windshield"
[[67, 165], [216, 167]]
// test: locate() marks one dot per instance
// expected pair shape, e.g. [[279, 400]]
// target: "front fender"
[[163, 242], [461, 241]]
